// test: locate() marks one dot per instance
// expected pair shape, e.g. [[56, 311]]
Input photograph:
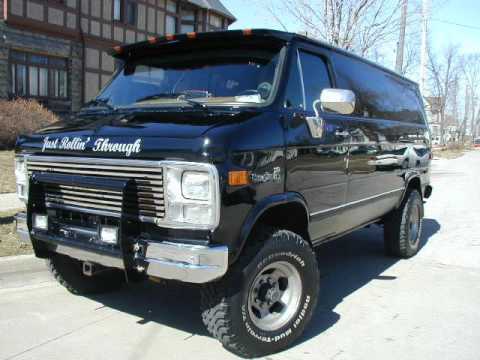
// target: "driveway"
[[371, 306]]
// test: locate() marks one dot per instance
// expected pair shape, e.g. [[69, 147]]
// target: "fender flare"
[[409, 177], [260, 208]]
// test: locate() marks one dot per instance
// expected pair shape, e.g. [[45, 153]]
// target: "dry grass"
[[7, 174], [9, 242], [451, 151]]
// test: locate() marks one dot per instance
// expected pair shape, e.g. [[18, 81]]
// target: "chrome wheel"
[[414, 225], [274, 296]]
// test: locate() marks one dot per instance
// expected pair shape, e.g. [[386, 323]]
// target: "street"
[[370, 307]]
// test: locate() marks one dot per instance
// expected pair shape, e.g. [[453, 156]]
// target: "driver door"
[[317, 144]]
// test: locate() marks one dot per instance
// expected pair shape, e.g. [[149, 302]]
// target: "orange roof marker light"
[[118, 49], [170, 37], [191, 35], [152, 39], [239, 177], [247, 32]]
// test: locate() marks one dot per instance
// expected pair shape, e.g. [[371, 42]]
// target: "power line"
[[457, 24]]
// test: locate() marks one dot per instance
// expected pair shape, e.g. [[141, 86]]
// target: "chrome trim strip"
[[356, 202], [94, 161], [188, 263]]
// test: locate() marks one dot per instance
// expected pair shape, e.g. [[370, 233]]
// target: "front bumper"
[[166, 260]]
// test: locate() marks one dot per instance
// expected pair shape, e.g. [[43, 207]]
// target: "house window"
[[125, 11], [215, 22], [171, 19], [39, 76], [117, 10], [131, 13], [188, 17]]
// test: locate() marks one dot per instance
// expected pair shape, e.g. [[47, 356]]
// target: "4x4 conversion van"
[[223, 159]]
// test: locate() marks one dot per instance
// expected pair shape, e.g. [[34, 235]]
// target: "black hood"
[[132, 134]]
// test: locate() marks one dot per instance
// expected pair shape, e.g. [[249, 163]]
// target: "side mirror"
[[338, 100]]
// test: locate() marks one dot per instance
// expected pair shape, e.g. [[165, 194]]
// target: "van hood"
[[145, 134]]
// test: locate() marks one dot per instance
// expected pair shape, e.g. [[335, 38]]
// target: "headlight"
[[192, 196], [21, 176], [196, 185]]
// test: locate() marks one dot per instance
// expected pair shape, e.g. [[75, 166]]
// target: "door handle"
[[342, 133]]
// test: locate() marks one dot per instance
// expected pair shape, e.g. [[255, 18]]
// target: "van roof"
[[125, 51]]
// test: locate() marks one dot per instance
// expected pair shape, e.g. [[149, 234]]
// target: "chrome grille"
[[144, 201]]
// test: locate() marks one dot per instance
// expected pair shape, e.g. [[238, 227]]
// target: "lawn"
[[7, 174], [9, 242]]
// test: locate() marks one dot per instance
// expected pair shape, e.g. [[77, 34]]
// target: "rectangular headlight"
[[192, 196], [195, 185]]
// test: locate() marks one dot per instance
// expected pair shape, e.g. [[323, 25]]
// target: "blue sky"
[[251, 14]]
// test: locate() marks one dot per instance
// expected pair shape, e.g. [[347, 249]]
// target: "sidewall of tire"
[[254, 338]]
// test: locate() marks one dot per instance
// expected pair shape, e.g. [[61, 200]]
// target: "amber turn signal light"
[[240, 177]]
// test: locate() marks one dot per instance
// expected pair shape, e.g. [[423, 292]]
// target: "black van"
[[224, 159]]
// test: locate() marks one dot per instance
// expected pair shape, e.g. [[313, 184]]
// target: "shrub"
[[19, 117]]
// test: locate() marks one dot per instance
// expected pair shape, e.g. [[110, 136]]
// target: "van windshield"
[[223, 78]]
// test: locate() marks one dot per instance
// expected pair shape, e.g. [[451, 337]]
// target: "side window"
[[315, 77], [380, 95], [294, 94]]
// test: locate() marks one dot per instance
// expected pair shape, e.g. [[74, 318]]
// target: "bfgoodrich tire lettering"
[[403, 227], [226, 311]]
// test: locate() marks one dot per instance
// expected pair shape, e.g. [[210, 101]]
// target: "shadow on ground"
[[346, 265]]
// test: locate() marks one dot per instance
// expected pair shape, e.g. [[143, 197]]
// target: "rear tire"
[[267, 298], [68, 272], [403, 227]]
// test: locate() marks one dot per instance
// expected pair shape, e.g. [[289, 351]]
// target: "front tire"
[[268, 297], [403, 227], [68, 272]]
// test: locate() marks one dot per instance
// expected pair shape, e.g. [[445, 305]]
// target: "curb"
[[16, 257]]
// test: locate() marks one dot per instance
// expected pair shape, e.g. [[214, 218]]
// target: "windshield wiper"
[[99, 103], [159, 96], [176, 96], [195, 104]]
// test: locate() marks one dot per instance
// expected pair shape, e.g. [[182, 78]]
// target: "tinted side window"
[[315, 77], [294, 94], [380, 95]]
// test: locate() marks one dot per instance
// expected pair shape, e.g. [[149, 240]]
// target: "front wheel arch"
[[288, 211]]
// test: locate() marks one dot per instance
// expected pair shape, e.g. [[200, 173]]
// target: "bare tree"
[[411, 56], [471, 72], [354, 25], [443, 73]]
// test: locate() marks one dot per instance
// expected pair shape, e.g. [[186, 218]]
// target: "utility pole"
[[401, 39], [424, 52]]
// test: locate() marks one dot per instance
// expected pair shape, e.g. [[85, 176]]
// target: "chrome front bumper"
[[187, 263], [166, 260]]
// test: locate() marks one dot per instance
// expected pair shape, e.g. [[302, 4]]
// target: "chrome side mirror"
[[338, 100]]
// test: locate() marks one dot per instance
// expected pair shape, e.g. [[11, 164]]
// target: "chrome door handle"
[[342, 133]]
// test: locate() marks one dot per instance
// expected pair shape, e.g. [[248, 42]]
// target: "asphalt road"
[[371, 307]]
